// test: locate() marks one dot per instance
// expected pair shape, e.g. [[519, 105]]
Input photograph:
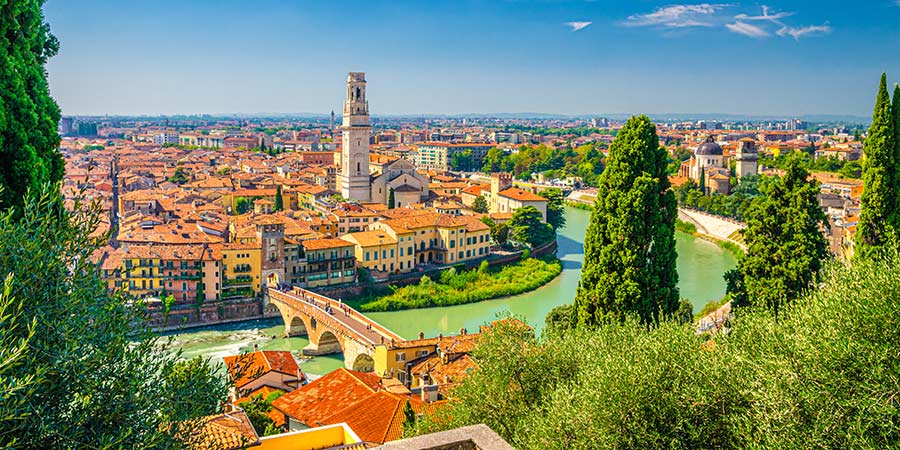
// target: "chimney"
[[421, 335], [255, 347]]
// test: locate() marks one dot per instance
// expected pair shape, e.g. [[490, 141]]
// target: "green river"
[[701, 265]]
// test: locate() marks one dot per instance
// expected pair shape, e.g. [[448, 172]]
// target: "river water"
[[701, 265]]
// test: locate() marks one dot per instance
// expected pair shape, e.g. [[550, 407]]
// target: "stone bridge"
[[332, 327]]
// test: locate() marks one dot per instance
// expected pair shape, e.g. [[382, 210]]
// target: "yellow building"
[[338, 436], [439, 238], [378, 250], [390, 360], [241, 269]]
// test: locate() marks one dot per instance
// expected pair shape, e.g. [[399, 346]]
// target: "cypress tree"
[[895, 110], [279, 200], [29, 154], [629, 261], [785, 243], [391, 200], [878, 202]]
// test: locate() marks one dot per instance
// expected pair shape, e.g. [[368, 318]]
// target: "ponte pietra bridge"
[[332, 326]]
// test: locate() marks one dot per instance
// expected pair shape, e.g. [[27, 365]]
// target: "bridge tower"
[[270, 234]]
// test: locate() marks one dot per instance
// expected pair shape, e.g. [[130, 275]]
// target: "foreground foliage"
[[85, 376], [823, 376], [456, 288]]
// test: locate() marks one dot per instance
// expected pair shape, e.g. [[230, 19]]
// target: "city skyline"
[[572, 58]]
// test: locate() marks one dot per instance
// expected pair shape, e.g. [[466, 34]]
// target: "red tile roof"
[[322, 398], [247, 367]]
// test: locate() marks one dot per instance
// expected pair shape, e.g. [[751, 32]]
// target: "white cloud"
[[747, 29], [799, 32], [711, 15], [576, 26], [765, 15], [678, 16]]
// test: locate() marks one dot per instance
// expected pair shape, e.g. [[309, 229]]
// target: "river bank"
[[701, 265], [457, 288]]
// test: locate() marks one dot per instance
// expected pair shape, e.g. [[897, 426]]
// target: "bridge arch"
[[296, 327], [364, 363], [328, 343]]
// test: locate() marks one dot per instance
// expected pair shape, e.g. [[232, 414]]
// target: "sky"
[[786, 58]]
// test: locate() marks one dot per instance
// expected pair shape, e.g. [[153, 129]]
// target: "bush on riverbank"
[[581, 206], [685, 227], [456, 288], [822, 376]]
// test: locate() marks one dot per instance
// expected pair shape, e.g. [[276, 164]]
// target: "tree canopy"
[[29, 117], [879, 216], [786, 246], [527, 227], [629, 261], [556, 207], [98, 377]]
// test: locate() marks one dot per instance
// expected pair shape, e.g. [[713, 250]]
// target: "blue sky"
[[473, 56]]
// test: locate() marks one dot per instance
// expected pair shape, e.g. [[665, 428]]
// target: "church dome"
[[709, 148]]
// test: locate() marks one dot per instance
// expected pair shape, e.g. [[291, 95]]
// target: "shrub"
[[822, 376]]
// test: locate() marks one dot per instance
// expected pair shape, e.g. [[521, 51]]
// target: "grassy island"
[[457, 288]]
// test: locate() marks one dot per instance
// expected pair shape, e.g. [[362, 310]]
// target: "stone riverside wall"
[[716, 227], [210, 313]]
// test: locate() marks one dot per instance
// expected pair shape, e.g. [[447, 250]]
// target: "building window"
[[400, 356]]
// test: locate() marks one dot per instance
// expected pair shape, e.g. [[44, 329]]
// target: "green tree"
[[556, 207], [629, 261], [409, 418], [179, 177], [29, 154], [279, 200], [895, 109], [463, 161], [242, 205], [392, 202], [685, 312], [786, 246], [528, 228], [500, 233], [106, 381], [878, 216], [561, 318], [493, 161], [480, 205], [258, 409]]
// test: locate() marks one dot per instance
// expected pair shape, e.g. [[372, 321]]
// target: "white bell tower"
[[355, 181]]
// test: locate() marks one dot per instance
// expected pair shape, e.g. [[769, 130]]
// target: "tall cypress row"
[[629, 263], [878, 202], [29, 153]]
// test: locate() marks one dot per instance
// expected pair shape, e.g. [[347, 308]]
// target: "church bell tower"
[[356, 129]]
